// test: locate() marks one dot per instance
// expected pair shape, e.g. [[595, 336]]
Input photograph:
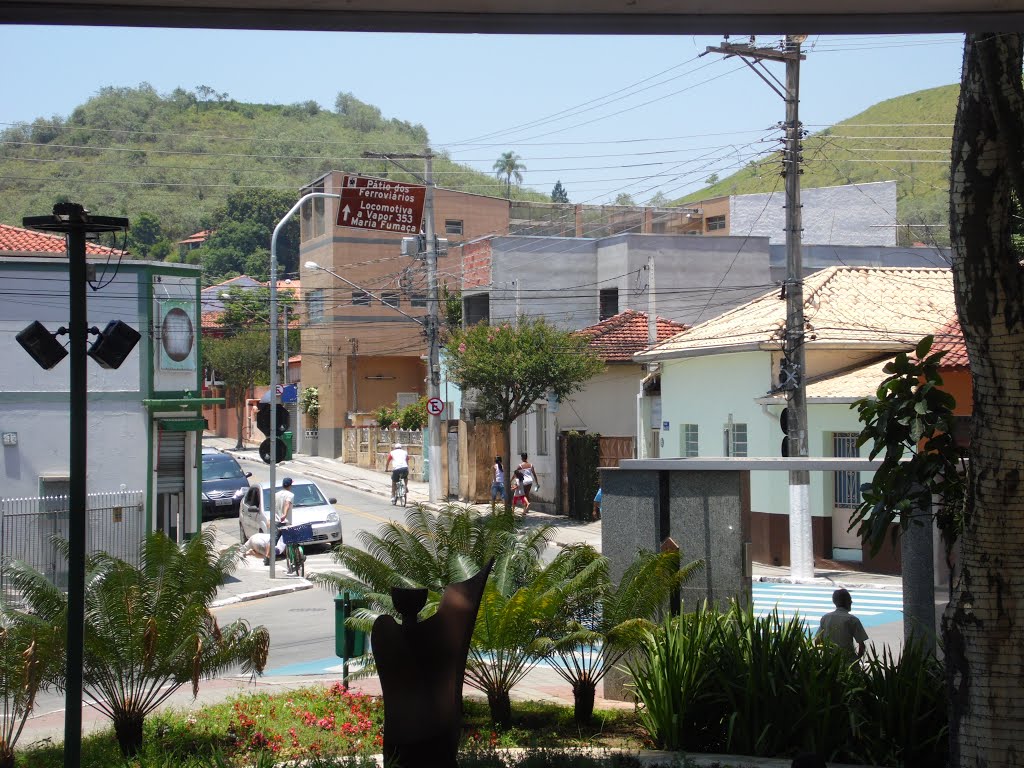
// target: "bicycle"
[[293, 535], [401, 492]]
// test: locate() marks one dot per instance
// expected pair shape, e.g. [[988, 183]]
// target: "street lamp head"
[[312, 265]]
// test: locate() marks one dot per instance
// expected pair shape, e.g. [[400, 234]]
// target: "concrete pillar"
[[918, 551]]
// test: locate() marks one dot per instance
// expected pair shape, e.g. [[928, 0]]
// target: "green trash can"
[[289, 443], [348, 643]]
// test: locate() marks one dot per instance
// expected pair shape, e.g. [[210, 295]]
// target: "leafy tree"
[[558, 194], [624, 198], [659, 200], [248, 309], [261, 210], [509, 368], [31, 660], [148, 628], [240, 361], [711, 180], [145, 232], [984, 622], [511, 167], [162, 250], [609, 620], [910, 415], [451, 306]]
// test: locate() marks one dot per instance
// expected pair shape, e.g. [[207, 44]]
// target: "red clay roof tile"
[[621, 336]]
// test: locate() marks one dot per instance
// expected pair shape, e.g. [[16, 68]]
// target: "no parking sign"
[[435, 406]]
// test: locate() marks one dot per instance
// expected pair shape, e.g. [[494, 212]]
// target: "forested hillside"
[[906, 139], [178, 163]]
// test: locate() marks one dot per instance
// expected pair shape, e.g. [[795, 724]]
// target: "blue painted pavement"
[[811, 602]]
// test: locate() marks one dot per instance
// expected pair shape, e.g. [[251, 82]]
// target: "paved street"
[[873, 607]]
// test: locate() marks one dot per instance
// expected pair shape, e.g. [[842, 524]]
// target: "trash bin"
[[289, 443], [348, 643]]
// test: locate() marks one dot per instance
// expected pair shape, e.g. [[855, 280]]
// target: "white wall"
[[45, 298], [116, 446], [607, 404], [852, 214]]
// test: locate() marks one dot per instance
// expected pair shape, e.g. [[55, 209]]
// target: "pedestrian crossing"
[[811, 602]]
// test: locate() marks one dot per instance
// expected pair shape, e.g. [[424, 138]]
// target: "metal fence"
[[116, 524]]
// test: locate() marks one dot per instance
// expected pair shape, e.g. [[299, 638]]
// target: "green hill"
[[179, 156], [906, 139]]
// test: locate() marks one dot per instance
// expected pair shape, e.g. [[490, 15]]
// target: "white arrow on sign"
[[345, 212]]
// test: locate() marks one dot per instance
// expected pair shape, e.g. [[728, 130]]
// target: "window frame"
[[715, 223], [731, 433], [387, 296], [604, 295], [361, 299], [689, 441], [315, 306], [454, 226], [542, 430], [845, 483]]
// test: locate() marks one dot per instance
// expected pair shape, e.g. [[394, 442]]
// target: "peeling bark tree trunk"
[[984, 623]]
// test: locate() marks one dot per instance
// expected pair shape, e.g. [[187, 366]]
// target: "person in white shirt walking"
[[843, 628], [400, 458]]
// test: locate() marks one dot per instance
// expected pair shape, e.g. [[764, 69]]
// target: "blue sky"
[[649, 115]]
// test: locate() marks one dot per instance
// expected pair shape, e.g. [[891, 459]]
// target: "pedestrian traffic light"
[[784, 423]]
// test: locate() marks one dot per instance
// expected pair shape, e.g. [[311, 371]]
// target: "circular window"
[[177, 335]]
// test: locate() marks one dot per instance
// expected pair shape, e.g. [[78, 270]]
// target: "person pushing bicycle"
[[400, 458]]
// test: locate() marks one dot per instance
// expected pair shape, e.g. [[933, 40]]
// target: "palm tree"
[[148, 628], [611, 620], [510, 166]]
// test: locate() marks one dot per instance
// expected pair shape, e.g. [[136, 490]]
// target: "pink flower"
[[462, 347]]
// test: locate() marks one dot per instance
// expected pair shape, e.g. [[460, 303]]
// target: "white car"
[[310, 506]]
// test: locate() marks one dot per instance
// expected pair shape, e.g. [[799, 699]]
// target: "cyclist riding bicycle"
[[400, 458]]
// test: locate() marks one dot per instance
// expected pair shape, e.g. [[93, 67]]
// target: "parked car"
[[310, 506], [224, 484]]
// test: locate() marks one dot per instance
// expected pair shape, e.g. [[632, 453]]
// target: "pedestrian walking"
[[529, 483], [519, 491], [596, 515], [841, 627], [498, 482]]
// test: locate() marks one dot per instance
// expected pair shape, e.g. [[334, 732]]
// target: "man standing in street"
[[843, 628], [400, 458]]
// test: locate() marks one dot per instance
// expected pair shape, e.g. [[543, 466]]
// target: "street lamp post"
[[272, 507]]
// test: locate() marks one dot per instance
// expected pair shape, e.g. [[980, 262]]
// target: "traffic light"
[[784, 423], [263, 419]]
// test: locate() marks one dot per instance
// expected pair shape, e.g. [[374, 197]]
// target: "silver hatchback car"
[[310, 506]]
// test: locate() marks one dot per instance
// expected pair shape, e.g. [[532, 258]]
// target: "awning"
[[182, 425], [184, 403]]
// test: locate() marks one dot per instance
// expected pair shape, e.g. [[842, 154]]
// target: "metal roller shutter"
[[170, 463]]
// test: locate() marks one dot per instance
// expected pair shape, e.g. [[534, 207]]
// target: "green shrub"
[[901, 717], [734, 682]]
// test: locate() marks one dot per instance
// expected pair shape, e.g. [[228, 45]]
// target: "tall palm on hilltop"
[[511, 167]]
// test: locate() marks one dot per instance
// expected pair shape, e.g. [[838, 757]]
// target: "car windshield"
[[221, 468], [306, 495]]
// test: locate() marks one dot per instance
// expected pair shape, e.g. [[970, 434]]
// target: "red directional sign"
[[379, 204]]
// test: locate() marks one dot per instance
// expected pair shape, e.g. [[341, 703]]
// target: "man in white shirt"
[[842, 627], [285, 500], [400, 458]]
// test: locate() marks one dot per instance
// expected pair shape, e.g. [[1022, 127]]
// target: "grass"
[[326, 724]]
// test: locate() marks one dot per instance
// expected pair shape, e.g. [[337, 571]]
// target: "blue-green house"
[[144, 426], [715, 391]]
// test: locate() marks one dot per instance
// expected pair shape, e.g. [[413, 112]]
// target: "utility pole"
[[432, 325], [792, 373]]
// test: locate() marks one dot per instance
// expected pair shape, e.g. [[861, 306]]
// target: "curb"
[[245, 597]]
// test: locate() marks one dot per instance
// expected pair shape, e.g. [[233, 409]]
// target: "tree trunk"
[[509, 466], [984, 622], [128, 729], [583, 700], [501, 708], [6, 755], [239, 416]]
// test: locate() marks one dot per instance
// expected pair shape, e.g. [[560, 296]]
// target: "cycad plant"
[[31, 660], [148, 628], [431, 550], [516, 622], [605, 620]]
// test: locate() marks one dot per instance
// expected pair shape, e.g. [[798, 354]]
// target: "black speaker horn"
[[114, 344]]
